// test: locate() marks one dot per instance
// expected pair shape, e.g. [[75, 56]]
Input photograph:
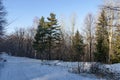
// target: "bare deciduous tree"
[[89, 29]]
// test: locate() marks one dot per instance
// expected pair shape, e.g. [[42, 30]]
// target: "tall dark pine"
[[102, 45], [39, 43], [78, 45], [2, 23], [53, 34], [48, 36], [2, 18], [115, 58]]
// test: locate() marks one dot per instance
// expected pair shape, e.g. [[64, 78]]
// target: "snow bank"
[[109, 71], [66, 64], [73, 66]]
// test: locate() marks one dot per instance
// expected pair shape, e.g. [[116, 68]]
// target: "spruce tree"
[[116, 46], [2, 23], [2, 18], [48, 36], [102, 43], [78, 45], [39, 43], [53, 34]]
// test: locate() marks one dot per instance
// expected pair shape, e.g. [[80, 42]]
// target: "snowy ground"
[[17, 68]]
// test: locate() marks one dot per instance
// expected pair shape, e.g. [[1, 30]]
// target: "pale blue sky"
[[24, 11]]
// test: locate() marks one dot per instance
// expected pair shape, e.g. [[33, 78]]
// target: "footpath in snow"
[[17, 68]]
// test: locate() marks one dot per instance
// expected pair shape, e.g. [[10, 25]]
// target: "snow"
[[17, 68], [114, 67]]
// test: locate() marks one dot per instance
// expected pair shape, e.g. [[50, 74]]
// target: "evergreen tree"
[[2, 19], [78, 45], [2, 23], [48, 36], [116, 46], [53, 34], [102, 45], [39, 43]]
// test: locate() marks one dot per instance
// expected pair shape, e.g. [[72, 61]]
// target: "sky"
[[21, 13]]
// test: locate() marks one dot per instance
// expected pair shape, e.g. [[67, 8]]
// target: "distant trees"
[[19, 43]]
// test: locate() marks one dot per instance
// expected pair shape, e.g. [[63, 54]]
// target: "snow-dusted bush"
[[82, 67], [105, 70], [108, 71], [99, 69]]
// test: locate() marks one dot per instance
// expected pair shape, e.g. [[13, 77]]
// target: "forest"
[[97, 41]]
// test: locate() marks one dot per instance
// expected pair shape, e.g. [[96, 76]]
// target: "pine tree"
[[53, 33], [2, 23], [48, 36], [116, 46], [102, 45], [39, 43], [78, 45], [2, 19]]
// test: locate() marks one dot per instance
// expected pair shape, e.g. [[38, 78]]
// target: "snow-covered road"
[[17, 68]]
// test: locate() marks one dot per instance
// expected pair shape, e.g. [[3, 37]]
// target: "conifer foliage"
[[2, 24], [53, 34], [40, 36], [116, 46], [102, 44], [2, 19], [48, 36], [78, 45]]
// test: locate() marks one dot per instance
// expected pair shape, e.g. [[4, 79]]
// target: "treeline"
[[99, 40], [19, 43]]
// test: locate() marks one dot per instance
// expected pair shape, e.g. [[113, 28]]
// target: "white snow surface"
[[115, 68], [22, 68]]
